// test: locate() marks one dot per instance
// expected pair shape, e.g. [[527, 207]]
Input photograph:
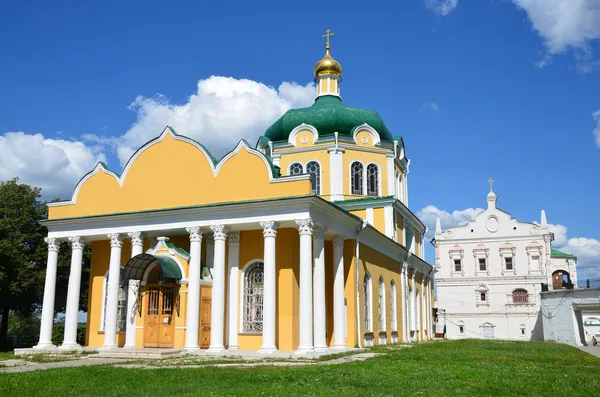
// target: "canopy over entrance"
[[137, 266]]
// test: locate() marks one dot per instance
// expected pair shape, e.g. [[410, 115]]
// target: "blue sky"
[[501, 88]]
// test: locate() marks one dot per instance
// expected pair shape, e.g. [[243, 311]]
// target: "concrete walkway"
[[24, 366], [591, 350]]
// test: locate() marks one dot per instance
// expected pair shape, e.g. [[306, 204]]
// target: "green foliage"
[[23, 330], [448, 368], [58, 332], [23, 255]]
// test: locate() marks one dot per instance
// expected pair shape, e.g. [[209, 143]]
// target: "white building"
[[490, 273], [571, 316]]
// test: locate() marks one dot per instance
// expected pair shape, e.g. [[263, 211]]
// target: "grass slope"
[[456, 368]]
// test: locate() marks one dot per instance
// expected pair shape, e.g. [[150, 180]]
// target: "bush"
[[58, 333], [23, 331]]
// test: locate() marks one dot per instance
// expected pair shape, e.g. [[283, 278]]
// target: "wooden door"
[[159, 325], [205, 323], [167, 322], [152, 323], [557, 280]]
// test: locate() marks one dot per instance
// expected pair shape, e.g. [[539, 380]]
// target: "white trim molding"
[[370, 130], [303, 127]]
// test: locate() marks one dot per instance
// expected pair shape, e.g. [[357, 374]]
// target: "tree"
[[23, 255], [21, 249]]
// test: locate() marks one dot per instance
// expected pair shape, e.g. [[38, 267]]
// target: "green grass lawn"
[[456, 369]]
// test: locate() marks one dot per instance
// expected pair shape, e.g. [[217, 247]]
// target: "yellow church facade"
[[303, 242]]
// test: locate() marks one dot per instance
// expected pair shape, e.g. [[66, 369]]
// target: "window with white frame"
[[121, 303], [314, 170], [482, 264], [458, 265], [482, 295], [254, 277], [535, 262], [296, 169], [381, 304], [507, 254], [508, 263], [456, 254], [394, 319], [372, 180], [356, 175], [367, 298]]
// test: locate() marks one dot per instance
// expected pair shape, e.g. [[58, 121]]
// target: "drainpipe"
[[357, 287]]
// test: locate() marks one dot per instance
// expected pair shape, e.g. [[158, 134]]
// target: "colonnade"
[[312, 310]]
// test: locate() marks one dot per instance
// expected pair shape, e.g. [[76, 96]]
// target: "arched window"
[[400, 188], [367, 303], [296, 169], [520, 296], [314, 170], [356, 171], [394, 319], [381, 304], [483, 296], [372, 180], [253, 297], [121, 303]]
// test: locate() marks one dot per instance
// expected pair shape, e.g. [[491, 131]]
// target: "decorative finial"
[[544, 221], [328, 34], [491, 182]]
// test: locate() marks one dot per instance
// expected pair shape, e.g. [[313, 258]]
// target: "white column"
[[193, 291], [47, 320], [112, 290], [133, 287], [404, 303], [72, 306], [426, 301], [339, 308], [269, 288], [218, 290], [319, 288], [233, 266], [391, 180], [336, 181], [306, 305], [413, 304]]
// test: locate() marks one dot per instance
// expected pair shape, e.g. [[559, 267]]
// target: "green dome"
[[328, 114]]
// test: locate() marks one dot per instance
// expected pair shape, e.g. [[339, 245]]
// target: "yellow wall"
[[189, 175], [379, 219], [321, 156], [377, 265]]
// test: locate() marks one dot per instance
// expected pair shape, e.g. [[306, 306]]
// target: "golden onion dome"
[[327, 65]]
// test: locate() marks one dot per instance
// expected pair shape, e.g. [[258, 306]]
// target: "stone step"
[[141, 354]]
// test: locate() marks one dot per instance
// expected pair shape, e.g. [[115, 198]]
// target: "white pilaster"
[[336, 181], [47, 320], [133, 287], [339, 308], [193, 295], [72, 306], [404, 303], [319, 289], [114, 275], [388, 213], [370, 216], [270, 286], [306, 302], [391, 180], [218, 290], [233, 268]]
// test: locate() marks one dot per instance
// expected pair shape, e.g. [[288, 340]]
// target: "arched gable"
[[174, 171]]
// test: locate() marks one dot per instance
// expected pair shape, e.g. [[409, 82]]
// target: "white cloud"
[[430, 107], [221, 112], [596, 116], [441, 7], [54, 165], [564, 25], [429, 214]]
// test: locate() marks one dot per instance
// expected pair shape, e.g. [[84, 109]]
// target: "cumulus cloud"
[[222, 111], [441, 7], [564, 25], [430, 107], [596, 116], [429, 214], [52, 164]]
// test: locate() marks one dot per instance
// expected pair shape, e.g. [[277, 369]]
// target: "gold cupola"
[[328, 72]]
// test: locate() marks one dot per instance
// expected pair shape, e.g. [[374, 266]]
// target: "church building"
[[490, 273], [303, 242]]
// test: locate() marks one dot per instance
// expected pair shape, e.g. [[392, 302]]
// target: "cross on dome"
[[328, 34], [491, 182]]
